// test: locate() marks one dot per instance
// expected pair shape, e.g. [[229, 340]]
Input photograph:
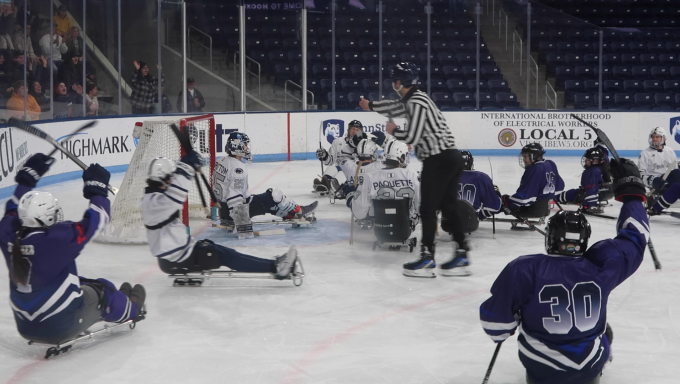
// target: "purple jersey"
[[540, 181], [559, 302], [53, 291], [477, 189]]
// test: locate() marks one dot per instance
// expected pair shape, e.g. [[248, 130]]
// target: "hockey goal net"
[[157, 139]]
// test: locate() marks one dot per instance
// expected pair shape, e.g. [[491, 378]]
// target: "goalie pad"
[[244, 226], [466, 220]]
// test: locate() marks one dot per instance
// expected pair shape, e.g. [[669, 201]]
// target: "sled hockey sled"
[[295, 223], [196, 279], [65, 346], [392, 224], [534, 214]]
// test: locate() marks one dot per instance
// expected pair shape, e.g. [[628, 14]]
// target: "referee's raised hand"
[[363, 103]]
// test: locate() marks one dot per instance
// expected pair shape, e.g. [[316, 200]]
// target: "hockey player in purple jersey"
[[596, 174], [476, 188], [540, 182], [559, 300], [51, 303]]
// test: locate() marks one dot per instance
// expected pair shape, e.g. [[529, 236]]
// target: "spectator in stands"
[[57, 47], [77, 97], [62, 102], [91, 102], [71, 71], [143, 89], [4, 67], [195, 101], [7, 20], [37, 92], [31, 15], [26, 46], [62, 21], [74, 42], [16, 69], [15, 105], [166, 105]]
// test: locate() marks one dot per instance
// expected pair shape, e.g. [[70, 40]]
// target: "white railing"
[[533, 70], [193, 41], [251, 71], [503, 19], [553, 100], [286, 93], [517, 43]]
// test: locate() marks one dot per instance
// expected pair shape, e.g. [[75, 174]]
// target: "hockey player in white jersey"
[[656, 159], [341, 149], [179, 253], [366, 152], [230, 184]]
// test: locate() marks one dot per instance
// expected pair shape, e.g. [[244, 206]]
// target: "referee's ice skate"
[[423, 266], [458, 265]]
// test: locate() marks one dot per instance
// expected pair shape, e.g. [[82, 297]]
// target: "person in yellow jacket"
[[62, 21], [15, 104]]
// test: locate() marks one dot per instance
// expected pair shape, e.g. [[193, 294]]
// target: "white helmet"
[[39, 210], [160, 169], [657, 131], [396, 150], [366, 149]]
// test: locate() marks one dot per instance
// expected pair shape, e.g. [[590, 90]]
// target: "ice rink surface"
[[356, 318]]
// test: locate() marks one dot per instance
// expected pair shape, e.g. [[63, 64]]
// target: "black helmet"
[[535, 152], [355, 123], [406, 72], [594, 154], [567, 233], [468, 160]]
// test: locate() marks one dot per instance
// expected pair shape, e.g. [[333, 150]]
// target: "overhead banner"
[[272, 5]]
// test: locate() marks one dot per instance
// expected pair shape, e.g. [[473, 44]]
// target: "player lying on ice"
[[476, 188], [559, 300], [230, 183], [341, 149], [596, 173], [51, 303], [539, 184], [654, 162], [179, 253]]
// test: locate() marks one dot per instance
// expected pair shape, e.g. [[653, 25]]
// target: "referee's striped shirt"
[[426, 129]]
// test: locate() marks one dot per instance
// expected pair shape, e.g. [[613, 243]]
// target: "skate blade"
[[458, 271], [423, 272]]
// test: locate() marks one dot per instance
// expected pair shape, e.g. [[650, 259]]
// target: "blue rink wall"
[[282, 136]]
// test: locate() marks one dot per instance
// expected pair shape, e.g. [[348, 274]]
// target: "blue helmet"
[[406, 72], [238, 144]]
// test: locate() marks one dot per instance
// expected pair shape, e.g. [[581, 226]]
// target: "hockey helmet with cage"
[[406, 72], [657, 131], [161, 170], [39, 210], [534, 151], [397, 151], [354, 124], [567, 233], [238, 144], [595, 155], [366, 149], [468, 160]]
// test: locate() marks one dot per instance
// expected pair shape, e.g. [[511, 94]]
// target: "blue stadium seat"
[[446, 59], [370, 85], [563, 73], [591, 59], [451, 71], [491, 72], [660, 73], [457, 85], [669, 59], [649, 58], [572, 87], [442, 99], [353, 98], [282, 72], [671, 86], [438, 86], [611, 59], [359, 71], [341, 101], [640, 72], [469, 72], [633, 86], [644, 99], [584, 72], [637, 47], [624, 100], [621, 72], [591, 86], [498, 85], [584, 100], [607, 100], [630, 59], [665, 100], [573, 59], [583, 47], [352, 57], [374, 96], [673, 47], [675, 72], [487, 99], [315, 57], [464, 99], [613, 86], [472, 85], [321, 70], [565, 47], [506, 99], [618, 47], [652, 86], [553, 60], [327, 84]]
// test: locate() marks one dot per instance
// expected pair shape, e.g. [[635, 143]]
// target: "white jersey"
[[338, 152], [654, 163], [167, 235], [349, 168], [230, 181], [393, 183]]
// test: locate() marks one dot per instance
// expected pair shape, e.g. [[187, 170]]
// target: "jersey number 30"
[[587, 299]]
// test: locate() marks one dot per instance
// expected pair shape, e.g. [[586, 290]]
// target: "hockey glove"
[[506, 206], [193, 159], [658, 183], [321, 154], [96, 180], [627, 181], [33, 169], [354, 140]]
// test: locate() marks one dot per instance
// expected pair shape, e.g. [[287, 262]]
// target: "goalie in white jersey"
[[179, 253], [393, 181], [230, 184], [656, 159], [341, 149]]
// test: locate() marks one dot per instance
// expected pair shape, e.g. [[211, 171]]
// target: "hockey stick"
[[604, 139], [351, 214], [24, 126], [84, 127], [491, 364], [320, 147], [493, 216]]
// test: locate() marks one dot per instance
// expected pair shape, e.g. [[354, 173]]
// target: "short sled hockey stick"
[[269, 232], [84, 127], [603, 137], [351, 214], [493, 216], [24, 126], [320, 147], [491, 364]]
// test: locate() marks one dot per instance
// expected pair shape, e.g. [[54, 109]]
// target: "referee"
[[442, 166]]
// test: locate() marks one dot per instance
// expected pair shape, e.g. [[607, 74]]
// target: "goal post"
[[154, 138]]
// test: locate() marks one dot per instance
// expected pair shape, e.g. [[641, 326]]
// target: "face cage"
[[521, 160]]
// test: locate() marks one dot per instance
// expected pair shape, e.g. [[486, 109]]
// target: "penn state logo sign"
[[675, 128], [507, 137], [332, 129]]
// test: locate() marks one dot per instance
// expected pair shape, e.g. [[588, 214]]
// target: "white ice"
[[356, 318]]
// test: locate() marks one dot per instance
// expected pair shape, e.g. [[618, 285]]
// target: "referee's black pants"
[[439, 191]]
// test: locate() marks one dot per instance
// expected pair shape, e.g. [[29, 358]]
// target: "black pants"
[[439, 191], [260, 204], [207, 255]]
